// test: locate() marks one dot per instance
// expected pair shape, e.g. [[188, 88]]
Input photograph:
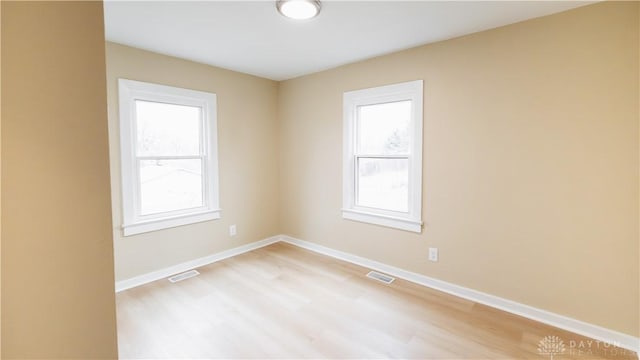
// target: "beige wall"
[[0, 184], [530, 185], [248, 156], [57, 253]]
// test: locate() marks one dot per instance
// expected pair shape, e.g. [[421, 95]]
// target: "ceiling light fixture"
[[299, 9]]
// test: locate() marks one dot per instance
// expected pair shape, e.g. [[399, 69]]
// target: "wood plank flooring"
[[285, 302]]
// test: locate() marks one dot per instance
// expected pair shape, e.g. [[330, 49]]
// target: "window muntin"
[[168, 155], [383, 155]]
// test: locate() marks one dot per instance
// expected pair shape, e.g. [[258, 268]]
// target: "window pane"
[[383, 184], [167, 185], [167, 129], [384, 128]]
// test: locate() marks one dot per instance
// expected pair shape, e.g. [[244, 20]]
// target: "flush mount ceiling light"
[[298, 9]]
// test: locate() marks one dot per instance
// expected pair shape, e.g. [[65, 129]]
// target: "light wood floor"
[[284, 302]]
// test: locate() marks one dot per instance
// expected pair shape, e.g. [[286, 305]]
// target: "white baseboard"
[[175, 269], [563, 322]]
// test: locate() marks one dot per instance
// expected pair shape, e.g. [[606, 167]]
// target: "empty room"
[[303, 179]]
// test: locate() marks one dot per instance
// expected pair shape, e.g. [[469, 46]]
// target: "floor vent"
[[184, 276], [380, 277]]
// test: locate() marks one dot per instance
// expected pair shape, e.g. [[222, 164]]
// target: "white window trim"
[[412, 220], [133, 222]]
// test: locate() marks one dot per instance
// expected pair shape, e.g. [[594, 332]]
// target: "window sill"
[[383, 220], [166, 223]]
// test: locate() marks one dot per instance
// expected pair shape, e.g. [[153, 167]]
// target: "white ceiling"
[[251, 37]]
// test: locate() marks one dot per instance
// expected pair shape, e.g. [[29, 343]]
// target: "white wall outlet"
[[232, 230], [433, 254]]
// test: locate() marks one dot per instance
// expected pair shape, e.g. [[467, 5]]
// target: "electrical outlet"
[[433, 254], [232, 230]]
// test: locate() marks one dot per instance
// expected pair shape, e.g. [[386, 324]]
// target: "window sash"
[[177, 212], [357, 192], [358, 124], [137, 181], [357, 156], [202, 139]]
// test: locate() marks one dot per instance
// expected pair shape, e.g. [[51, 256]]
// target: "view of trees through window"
[[382, 152]]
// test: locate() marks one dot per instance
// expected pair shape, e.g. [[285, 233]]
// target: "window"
[[382, 172], [168, 143]]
